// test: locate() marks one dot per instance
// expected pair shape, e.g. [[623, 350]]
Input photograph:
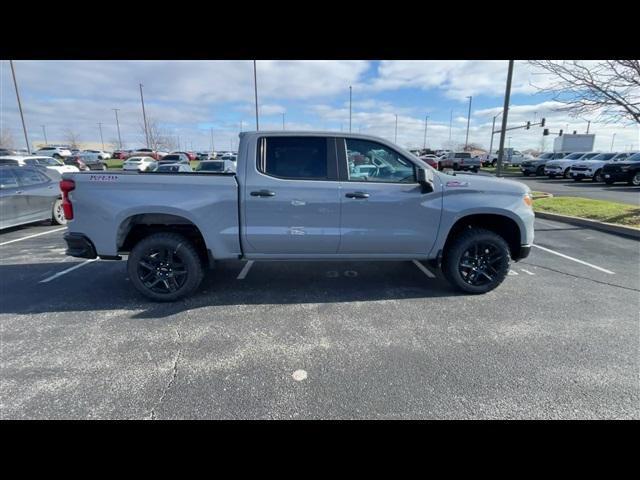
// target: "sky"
[[191, 99]]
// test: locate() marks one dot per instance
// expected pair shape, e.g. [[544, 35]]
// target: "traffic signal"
[[545, 131], [528, 125], [542, 122], [560, 134]]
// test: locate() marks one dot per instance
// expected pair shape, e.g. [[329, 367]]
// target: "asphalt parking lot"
[[559, 339], [618, 192]]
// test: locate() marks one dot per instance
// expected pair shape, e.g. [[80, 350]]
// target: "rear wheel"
[[597, 177], [477, 261], [567, 174], [494, 163], [635, 180], [57, 215], [103, 166], [540, 171], [165, 267]]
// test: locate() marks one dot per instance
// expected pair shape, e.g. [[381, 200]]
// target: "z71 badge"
[[103, 178]]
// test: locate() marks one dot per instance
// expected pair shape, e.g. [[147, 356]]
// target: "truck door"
[[291, 200], [384, 209]]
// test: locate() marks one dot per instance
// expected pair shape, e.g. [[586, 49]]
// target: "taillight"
[[66, 186]]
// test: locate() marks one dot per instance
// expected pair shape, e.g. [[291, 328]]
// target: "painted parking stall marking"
[[245, 270], [71, 269], [32, 236], [424, 269], [575, 259]]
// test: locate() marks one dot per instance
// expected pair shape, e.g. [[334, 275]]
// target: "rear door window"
[[28, 177], [303, 158], [7, 179]]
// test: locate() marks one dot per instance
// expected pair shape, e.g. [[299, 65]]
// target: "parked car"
[[562, 167], [27, 195], [190, 155], [174, 168], [147, 152], [55, 152], [432, 160], [592, 169], [536, 165], [98, 153], [205, 156], [216, 166], [625, 171], [140, 164], [49, 163], [120, 154], [302, 197], [175, 158], [86, 162], [460, 161], [511, 157], [6, 151]]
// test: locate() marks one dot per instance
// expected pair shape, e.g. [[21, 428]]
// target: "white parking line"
[[64, 272], [512, 272], [526, 271], [31, 236], [424, 269], [575, 259], [245, 270]]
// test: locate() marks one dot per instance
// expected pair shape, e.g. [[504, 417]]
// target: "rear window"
[[7, 180], [463, 155], [8, 161], [293, 157]]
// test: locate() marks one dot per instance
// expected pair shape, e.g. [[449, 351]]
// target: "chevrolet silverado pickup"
[[299, 196]]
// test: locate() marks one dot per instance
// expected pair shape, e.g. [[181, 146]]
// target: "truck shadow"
[[104, 286]]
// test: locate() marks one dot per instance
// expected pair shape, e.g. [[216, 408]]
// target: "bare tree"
[[159, 139], [72, 138], [610, 89], [470, 147], [6, 138]]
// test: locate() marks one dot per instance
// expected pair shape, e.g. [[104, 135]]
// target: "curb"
[[596, 225]]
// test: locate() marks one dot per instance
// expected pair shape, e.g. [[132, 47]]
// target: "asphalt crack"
[[172, 380], [582, 278]]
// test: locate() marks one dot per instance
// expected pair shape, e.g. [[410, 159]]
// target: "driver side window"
[[372, 162]]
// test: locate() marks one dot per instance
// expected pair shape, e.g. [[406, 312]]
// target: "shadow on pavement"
[[105, 286]]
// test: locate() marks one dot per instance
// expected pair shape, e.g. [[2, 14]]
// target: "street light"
[[255, 86], [144, 117], [613, 140], [350, 108], [426, 124], [118, 125], [101, 139], [24, 127], [282, 120], [450, 125], [505, 114], [466, 140], [493, 129], [44, 132], [396, 137]]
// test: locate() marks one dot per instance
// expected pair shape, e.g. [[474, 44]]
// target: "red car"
[[431, 161], [120, 154], [146, 152], [192, 156]]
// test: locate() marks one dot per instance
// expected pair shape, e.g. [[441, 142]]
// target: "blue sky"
[[188, 98]]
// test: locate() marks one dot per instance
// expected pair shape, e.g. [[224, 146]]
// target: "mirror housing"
[[425, 178]]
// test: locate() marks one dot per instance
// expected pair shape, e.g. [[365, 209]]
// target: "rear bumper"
[[78, 245]]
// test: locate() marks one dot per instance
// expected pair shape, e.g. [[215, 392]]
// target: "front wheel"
[[567, 174], [477, 261], [540, 171], [57, 215], [597, 177], [635, 180], [165, 267]]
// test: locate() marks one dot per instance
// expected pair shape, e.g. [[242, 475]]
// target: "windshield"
[[544, 156], [574, 156], [604, 156], [634, 158]]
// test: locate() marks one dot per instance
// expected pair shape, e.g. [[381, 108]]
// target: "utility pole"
[[44, 132], [101, 139], [450, 125], [118, 125], [212, 146], [588, 125], [466, 140], [283, 121], [426, 124], [493, 129], [613, 140], [241, 122], [505, 113], [24, 127], [144, 117], [255, 86], [396, 137], [350, 108]]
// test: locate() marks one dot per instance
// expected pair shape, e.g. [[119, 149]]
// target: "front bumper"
[[617, 176], [79, 245], [528, 169], [581, 174], [553, 171]]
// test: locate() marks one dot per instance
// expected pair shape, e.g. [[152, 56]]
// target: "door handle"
[[263, 193], [357, 195]]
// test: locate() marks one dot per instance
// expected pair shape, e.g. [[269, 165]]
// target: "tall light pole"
[[493, 129], [588, 125], [255, 87], [241, 122], [282, 120], [350, 108], [212, 146], [505, 114], [101, 139], [24, 127], [396, 137], [118, 125], [144, 117], [44, 132], [612, 140], [466, 140], [450, 125], [426, 124]]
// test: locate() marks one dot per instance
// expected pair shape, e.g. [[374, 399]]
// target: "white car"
[[55, 152], [141, 164], [592, 169], [562, 167], [49, 163], [174, 168], [98, 153]]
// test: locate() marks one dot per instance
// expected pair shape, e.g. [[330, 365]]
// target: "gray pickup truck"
[[299, 196]]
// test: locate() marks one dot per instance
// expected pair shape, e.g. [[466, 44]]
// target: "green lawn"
[[601, 210], [509, 169]]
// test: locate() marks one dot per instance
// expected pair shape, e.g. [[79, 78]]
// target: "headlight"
[[528, 199]]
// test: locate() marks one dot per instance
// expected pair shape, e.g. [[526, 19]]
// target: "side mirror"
[[425, 178]]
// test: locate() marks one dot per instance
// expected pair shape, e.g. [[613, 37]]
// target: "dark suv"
[[85, 162], [626, 171]]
